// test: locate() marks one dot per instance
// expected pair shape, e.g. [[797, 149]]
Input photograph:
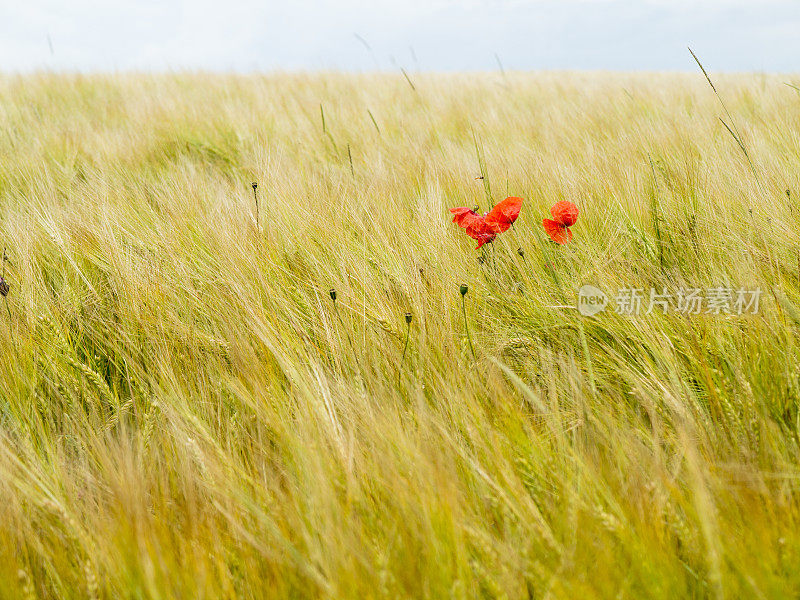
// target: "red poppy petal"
[[557, 232], [478, 227], [459, 214], [511, 207], [485, 239], [475, 227], [464, 217], [497, 226], [565, 213], [504, 213]]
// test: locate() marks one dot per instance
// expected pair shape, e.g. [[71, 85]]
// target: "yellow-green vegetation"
[[185, 412]]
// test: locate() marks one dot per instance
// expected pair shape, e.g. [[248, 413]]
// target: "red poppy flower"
[[484, 228], [474, 224], [564, 216]]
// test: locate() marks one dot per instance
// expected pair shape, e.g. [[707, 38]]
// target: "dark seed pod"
[[255, 185], [4, 287], [463, 289], [521, 252], [333, 294], [409, 318]]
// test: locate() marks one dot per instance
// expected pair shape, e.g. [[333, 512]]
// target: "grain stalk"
[[255, 200], [409, 318], [333, 296], [655, 215], [463, 289], [732, 129], [484, 176]]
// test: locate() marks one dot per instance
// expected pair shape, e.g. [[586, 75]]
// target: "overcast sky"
[[245, 35]]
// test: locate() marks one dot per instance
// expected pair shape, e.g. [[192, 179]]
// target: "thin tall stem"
[[466, 326], [405, 348], [733, 130], [5, 299], [346, 332], [350, 158], [255, 197]]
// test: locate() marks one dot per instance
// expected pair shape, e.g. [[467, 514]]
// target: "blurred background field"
[[185, 413]]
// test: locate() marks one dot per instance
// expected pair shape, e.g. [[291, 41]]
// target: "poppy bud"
[[4, 287], [255, 185], [409, 318], [521, 252], [333, 294], [463, 289]]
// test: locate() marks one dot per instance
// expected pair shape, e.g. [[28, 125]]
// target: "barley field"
[[185, 412]]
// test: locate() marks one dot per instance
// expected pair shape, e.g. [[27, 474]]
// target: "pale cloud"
[[441, 34]]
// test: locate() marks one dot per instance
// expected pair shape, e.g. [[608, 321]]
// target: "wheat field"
[[186, 413]]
